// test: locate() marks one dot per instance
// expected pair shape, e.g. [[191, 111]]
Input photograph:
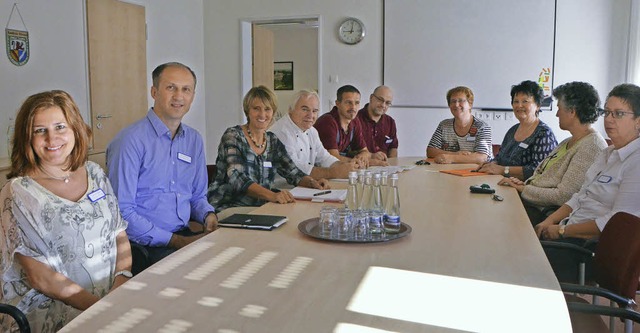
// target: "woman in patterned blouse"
[[527, 143], [63, 240], [562, 173], [249, 157]]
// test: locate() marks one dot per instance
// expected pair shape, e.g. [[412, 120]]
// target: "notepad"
[[253, 221], [305, 193], [464, 172]]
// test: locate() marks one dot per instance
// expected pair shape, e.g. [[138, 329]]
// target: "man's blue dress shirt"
[[161, 183]]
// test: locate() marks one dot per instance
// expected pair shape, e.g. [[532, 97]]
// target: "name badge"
[[523, 145], [471, 138], [604, 179], [266, 164], [96, 195], [184, 158], [388, 140]]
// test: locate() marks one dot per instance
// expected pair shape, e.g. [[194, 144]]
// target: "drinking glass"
[[328, 221], [343, 227], [360, 225]]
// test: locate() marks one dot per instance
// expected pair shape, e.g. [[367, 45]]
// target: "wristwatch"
[[124, 273], [561, 230], [506, 172]]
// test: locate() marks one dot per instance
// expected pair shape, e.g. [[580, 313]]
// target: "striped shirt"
[[477, 140]]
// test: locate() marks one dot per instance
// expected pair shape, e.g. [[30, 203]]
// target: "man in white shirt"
[[301, 139]]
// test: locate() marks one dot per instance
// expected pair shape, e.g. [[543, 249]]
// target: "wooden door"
[[262, 56], [117, 69]]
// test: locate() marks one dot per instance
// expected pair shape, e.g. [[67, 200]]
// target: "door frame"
[[246, 62]]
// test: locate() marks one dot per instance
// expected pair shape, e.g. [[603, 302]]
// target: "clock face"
[[351, 31]]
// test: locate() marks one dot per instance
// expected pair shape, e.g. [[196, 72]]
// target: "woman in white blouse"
[[612, 183], [63, 240]]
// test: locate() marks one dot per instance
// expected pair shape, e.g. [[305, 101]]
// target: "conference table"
[[470, 264]]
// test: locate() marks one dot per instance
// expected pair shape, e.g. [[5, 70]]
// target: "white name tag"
[[184, 158], [96, 195], [604, 179], [266, 164], [523, 145], [471, 138]]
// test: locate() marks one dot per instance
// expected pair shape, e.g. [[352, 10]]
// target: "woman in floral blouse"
[[63, 240]]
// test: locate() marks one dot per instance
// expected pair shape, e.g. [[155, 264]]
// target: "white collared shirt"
[[304, 147], [612, 185]]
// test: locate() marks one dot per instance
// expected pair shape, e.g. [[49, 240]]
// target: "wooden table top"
[[469, 264]]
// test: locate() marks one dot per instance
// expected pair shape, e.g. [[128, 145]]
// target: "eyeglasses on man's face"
[[457, 100], [617, 114], [382, 100]]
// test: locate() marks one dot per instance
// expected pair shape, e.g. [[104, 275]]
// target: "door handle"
[[103, 116]]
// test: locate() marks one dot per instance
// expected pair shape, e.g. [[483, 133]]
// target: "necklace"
[[264, 139], [64, 178]]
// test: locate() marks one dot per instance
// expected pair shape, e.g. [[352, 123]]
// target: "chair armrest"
[[17, 315], [593, 290], [604, 311], [567, 246]]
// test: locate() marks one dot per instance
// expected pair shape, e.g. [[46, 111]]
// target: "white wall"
[[58, 59], [206, 36], [300, 46], [360, 65], [175, 33], [590, 46]]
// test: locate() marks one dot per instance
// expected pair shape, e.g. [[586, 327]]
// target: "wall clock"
[[351, 31]]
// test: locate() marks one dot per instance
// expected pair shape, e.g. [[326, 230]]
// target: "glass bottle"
[[375, 201], [383, 186], [367, 190], [352, 191], [361, 175], [392, 208]]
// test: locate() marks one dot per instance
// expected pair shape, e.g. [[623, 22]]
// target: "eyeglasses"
[[454, 101], [616, 114], [380, 99]]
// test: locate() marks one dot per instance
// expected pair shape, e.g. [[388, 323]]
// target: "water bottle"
[[352, 192], [10, 131], [361, 175], [375, 201], [392, 208], [367, 190], [383, 186]]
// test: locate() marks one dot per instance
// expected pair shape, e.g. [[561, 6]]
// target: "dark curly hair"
[[630, 94], [529, 88], [582, 98]]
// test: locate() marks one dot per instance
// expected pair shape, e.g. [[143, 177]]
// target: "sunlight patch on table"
[[459, 303]]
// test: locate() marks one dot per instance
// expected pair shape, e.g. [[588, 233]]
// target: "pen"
[[321, 193]]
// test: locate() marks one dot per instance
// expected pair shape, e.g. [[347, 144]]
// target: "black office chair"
[[617, 272], [18, 316]]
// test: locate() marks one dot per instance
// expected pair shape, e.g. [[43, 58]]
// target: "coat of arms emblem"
[[17, 46]]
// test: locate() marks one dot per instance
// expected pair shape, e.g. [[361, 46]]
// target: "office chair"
[[617, 270], [18, 316]]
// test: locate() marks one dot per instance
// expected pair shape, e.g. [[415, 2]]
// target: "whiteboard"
[[487, 45]]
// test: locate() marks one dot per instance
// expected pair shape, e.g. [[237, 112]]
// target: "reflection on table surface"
[[469, 264]]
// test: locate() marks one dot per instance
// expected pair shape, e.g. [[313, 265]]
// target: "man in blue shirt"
[[158, 170]]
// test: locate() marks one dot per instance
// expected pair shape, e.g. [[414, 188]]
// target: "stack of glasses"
[[372, 209]]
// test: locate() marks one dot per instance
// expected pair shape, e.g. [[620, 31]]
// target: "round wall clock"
[[351, 31]]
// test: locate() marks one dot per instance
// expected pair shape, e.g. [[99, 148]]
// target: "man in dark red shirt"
[[341, 136], [378, 128]]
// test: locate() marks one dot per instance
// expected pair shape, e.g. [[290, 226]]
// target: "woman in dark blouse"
[[249, 157], [527, 143]]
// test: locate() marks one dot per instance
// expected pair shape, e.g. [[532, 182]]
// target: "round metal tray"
[[310, 228]]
